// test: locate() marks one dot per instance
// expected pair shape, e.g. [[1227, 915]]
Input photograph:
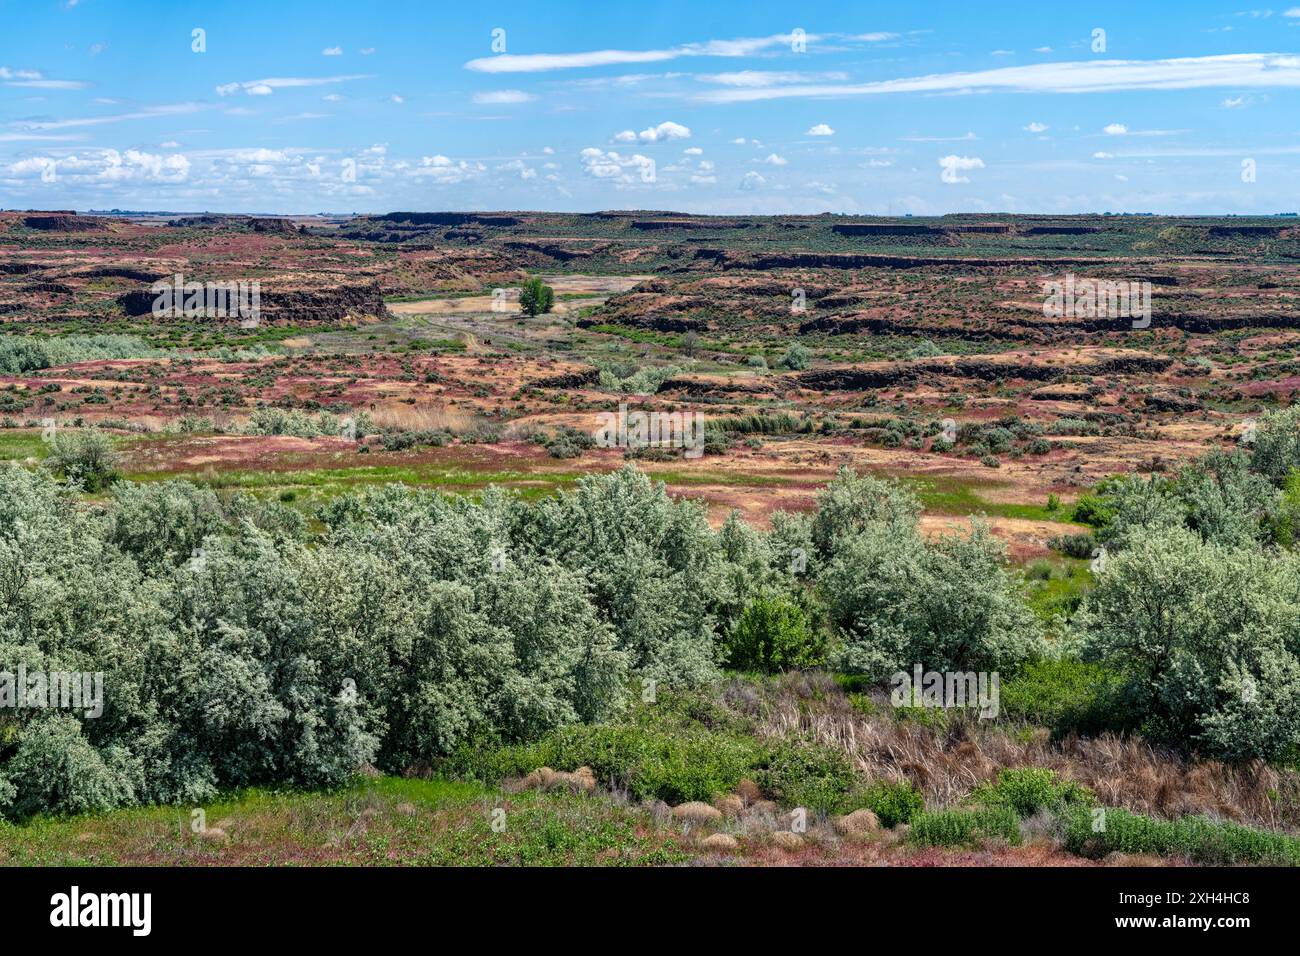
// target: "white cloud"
[[774, 160], [147, 113], [332, 51], [1036, 127], [396, 98], [616, 167], [664, 131], [752, 180], [107, 167], [519, 167], [821, 129], [952, 165], [265, 87], [692, 151], [366, 50], [1101, 155], [940, 139], [444, 171], [1115, 129], [36, 80], [1085, 76], [503, 97], [1293, 12], [541, 62], [753, 78]]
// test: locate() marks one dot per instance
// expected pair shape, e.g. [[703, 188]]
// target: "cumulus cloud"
[[332, 51], [752, 180], [1036, 128], [663, 132], [953, 166], [774, 160], [821, 129], [444, 171], [616, 167], [1115, 129], [106, 166]]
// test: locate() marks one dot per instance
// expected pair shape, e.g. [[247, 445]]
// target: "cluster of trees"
[[241, 645]]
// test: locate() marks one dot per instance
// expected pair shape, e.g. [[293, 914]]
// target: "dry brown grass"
[[424, 418], [946, 763]]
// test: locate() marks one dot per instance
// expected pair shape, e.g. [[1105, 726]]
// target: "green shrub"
[[536, 297], [1095, 833], [773, 635], [1067, 696], [814, 776], [84, 456], [964, 827], [649, 762], [1029, 790], [797, 357], [892, 802]]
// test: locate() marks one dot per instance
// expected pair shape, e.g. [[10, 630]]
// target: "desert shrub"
[[1097, 833], [536, 297], [951, 605], [281, 421], [56, 770], [773, 634], [1068, 696], [86, 457], [163, 523], [566, 443], [809, 775], [1073, 426], [964, 827], [1030, 790], [797, 357], [642, 381], [26, 353], [1225, 502], [1073, 545], [852, 502], [1276, 447], [1208, 636], [893, 802]]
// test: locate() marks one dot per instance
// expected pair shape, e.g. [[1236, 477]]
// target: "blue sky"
[[717, 107]]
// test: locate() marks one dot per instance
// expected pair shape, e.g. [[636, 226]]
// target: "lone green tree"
[[536, 297]]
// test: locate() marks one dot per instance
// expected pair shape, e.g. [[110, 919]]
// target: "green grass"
[[19, 445], [386, 821], [957, 497], [1056, 587]]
